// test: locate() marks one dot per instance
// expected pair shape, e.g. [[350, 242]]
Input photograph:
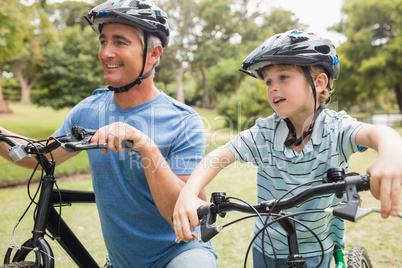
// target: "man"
[[136, 189]]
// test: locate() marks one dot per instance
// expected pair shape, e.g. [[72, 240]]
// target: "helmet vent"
[[322, 49], [297, 39], [133, 4]]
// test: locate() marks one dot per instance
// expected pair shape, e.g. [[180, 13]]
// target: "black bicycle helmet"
[[293, 47], [299, 48], [143, 14]]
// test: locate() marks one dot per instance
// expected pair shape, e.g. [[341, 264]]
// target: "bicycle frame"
[[48, 218]]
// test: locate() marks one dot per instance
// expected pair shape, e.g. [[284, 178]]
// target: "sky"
[[319, 14]]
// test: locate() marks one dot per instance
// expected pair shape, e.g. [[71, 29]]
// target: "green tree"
[[213, 41], [372, 55], [69, 13], [15, 22], [247, 101], [72, 72], [177, 56]]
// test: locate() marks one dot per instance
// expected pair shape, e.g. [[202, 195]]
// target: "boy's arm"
[[185, 212], [386, 169]]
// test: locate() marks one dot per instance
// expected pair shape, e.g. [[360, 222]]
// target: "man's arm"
[[60, 155], [164, 184]]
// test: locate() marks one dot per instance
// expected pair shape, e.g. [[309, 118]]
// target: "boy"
[[297, 144]]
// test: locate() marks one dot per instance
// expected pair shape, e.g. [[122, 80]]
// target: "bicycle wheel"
[[43, 256], [21, 264], [358, 257]]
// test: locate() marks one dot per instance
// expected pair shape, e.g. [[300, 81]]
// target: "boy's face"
[[120, 53], [289, 92]]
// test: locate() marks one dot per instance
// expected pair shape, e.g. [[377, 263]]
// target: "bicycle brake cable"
[[272, 209], [262, 221]]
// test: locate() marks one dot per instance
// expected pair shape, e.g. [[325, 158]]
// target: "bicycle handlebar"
[[78, 139], [336, 182]]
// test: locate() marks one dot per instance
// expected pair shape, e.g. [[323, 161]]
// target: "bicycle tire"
[[43, 257], [358, 257], [21, 264]]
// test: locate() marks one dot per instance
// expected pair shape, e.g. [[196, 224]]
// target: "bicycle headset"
[[299, 48], [142, 14]]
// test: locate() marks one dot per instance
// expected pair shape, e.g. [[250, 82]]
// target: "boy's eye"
[[283, 77], [268, 82]]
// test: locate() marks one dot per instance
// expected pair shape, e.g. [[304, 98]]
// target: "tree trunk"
[[179, 84], [23, 79], [25, 86], [207, 93], [3, 104], [398, 91]]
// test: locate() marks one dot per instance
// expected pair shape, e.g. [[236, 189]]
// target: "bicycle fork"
[[43, 253]]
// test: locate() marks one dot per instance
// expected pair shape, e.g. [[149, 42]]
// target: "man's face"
[[120, 53]]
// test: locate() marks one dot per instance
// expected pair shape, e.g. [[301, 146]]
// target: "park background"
[[48, 62]]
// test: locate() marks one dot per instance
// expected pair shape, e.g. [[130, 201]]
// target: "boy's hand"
[[185, 215], [386, 180]]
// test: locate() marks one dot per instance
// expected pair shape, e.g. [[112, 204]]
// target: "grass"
[[381, 237], [36, 123], [83, 219]]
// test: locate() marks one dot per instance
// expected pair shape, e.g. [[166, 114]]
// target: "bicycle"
[[336, 182], [47, 218]]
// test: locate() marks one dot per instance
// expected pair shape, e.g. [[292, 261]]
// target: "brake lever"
[[83, 144], [362, 212], [79, 133]]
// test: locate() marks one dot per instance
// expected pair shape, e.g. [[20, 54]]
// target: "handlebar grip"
[[127, 144], [202, 211], [207, 227], [73, 146]]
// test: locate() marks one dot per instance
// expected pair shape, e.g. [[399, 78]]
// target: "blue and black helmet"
[[143, 14], [293, 47]]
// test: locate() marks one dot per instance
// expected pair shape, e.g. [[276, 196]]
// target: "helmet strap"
[[141, 76], [297, 141]]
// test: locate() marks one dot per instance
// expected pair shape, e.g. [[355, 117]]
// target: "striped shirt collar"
[[281, 132]]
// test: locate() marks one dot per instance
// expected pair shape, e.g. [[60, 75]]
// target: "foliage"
[[246, 106], [70, 73], [249, 101], [210, 38], [372, 55], [15, 26]]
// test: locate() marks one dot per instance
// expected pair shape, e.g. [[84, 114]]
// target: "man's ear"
[[321, 82], [154, 54]]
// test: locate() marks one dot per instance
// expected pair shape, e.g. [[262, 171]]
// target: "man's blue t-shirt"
[[135, 233]]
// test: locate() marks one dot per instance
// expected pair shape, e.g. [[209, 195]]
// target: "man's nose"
[[106, 51]]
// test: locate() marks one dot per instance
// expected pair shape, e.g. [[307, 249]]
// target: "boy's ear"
[[321, 82]]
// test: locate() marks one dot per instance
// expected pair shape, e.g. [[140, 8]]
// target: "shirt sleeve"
[[348, 128], [189, 146], [246, 146]]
